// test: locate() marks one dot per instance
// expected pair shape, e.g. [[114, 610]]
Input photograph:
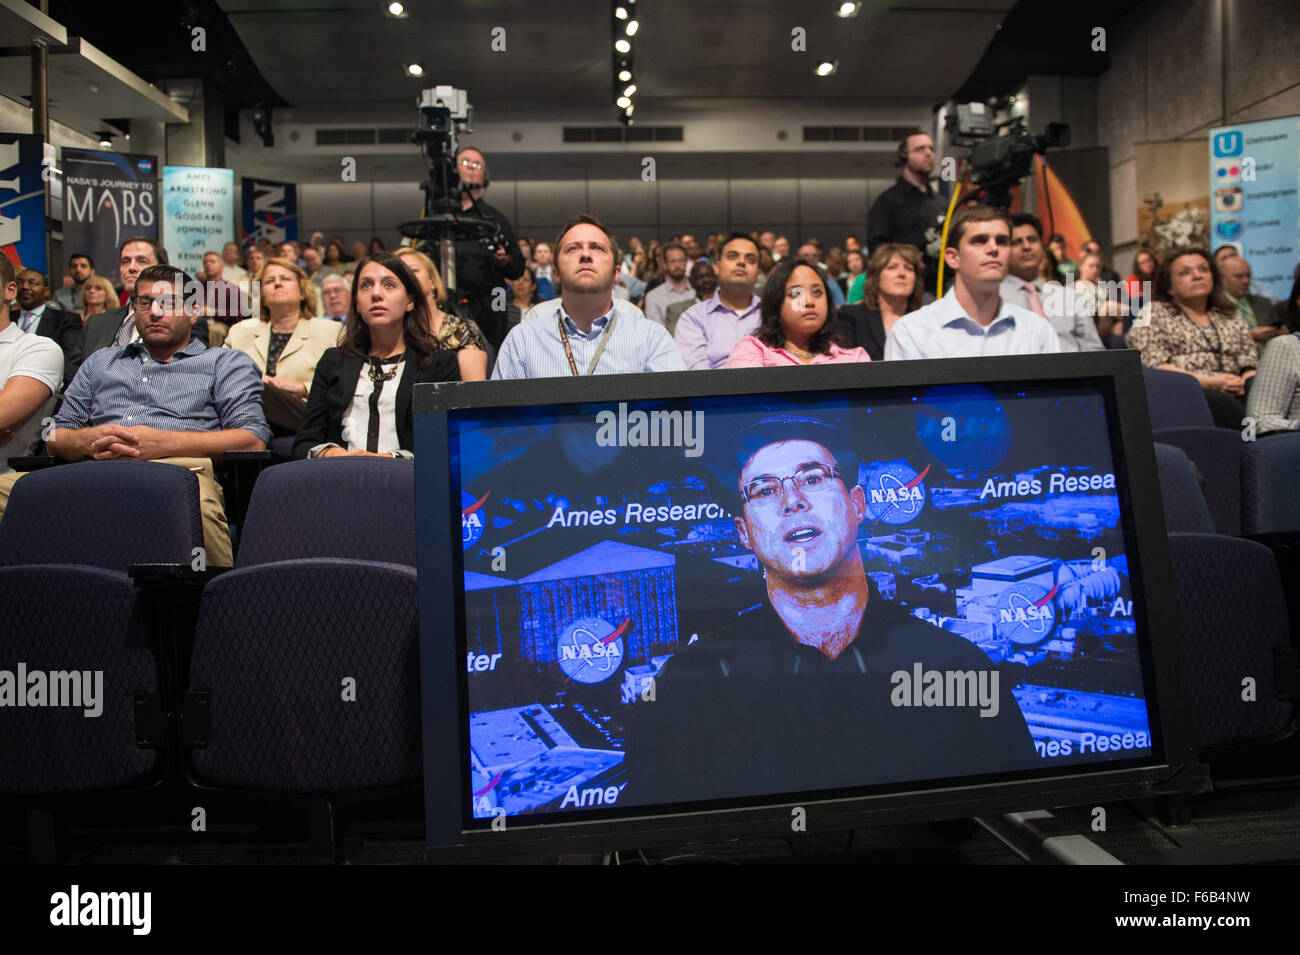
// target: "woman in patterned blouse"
[[453, 332], [1193, 329]]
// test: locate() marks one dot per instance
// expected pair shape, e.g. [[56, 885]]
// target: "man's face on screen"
[[801, 530]]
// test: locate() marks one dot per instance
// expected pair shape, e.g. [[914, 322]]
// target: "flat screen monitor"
[[659, 606]]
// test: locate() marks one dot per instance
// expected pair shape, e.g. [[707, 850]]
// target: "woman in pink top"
[[795, 328]]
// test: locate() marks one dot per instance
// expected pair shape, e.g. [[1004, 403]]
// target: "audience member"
[[358, 251], [221, 301], [1066, 267], [36, 315], [119, 327], [544, 270], [31, 373], [231, 270], [164, 396], [1255, 310], [855, 266], [311, 261], [910, 211], [674, 288], [707, 332], [1193, 329], [765, 266], [588, 332], [1106, 273], [704, 281], [811, 255], [891, 290], [972, 318], [450, 330], [360, 402], [334, 295], [333, 264], [523, 296], [1142, 279], [1274, 397], [80, 268], [97, 295], [376, 245], [285, 341], [796, 325], [780, 248], [1023, 286]]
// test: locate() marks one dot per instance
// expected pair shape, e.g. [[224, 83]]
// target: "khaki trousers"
[[212, 505]]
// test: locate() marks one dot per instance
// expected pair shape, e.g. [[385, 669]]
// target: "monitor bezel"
[[444, 699]]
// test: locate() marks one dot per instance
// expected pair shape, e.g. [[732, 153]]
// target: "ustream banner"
[[198, 213], [1254, 172]]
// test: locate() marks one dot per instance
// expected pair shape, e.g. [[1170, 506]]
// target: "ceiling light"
[[631, 27], [622, 45], [624, 75], [631, 88], [395, 9], [627, 111], [414, 69], [848, 9], [620, 12], [826, 67], [105, 139], [623, 102]]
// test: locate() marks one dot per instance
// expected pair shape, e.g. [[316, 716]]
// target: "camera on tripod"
[[1001, 153]]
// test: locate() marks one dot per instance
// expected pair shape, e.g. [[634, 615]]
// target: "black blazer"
[[862, 326], [335, 384], [65, 329], [101, 329]]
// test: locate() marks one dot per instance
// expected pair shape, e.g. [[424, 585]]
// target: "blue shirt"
[[942, 330], [534, 349], [200, 389]]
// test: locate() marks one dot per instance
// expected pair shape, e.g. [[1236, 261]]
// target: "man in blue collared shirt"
[[166, 397], [587, 334], [972, 319]]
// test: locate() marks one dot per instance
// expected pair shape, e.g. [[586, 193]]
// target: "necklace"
[[376, 368], [798, 352]]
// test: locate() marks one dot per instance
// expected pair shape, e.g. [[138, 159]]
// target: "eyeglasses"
[[471, 164], [809, 479], [170, 304]]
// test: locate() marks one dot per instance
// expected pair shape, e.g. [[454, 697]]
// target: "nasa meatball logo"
[[894, 492], [1026, 614], [471, 518], [590, 650]]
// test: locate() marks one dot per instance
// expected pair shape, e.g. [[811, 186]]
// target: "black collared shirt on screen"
[[749, 711]]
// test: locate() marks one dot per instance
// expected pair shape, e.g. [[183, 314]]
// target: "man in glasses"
[[118, 327], [164, 396], [801, 691], [480, 269]]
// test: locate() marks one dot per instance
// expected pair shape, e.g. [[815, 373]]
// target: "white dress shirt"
[[943, 330]]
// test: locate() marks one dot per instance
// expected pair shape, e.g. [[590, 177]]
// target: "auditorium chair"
[[1175, 400], [71, 541], [1185, 507], [304, 680], [1270, 508], [1216, 452]]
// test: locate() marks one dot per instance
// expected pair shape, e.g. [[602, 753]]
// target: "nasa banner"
[[22, 201], [107, 197], [270, 211], [1253, 183], [198, 213]]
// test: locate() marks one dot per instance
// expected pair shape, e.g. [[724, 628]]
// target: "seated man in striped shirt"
[[588, 333], [166, 398]]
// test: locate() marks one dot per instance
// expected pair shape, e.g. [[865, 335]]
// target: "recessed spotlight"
[[622, 45], [827, 67], [631, 88], [395, 9], [623, 102], [620, 12], [106, 143], [414, 69], [624, 75], [627, 111], [631, 27], [848, 9]]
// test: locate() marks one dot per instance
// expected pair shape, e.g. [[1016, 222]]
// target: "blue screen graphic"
[[630, 642]]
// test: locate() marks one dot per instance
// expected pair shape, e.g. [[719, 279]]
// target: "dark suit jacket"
[[101, 329], [65, 329], [862, 326], [335, 384]]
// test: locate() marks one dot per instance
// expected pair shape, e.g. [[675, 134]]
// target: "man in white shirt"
[[1074, 325], [31, 372], [231, 270], [972, 319], [674, 287]]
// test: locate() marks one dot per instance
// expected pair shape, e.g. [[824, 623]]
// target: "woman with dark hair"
[[795, 327], [523, 296], [376, 244], [892, 289], [1194, 329], [333, 263], [360, 400]]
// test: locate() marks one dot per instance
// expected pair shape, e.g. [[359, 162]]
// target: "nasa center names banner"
[[198, 213], [107, 197], [22, 201], [1255, 196], [270, 211]]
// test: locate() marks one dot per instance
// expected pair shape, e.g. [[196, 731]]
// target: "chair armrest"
[[151, 575], [33, 462], [239, 457]]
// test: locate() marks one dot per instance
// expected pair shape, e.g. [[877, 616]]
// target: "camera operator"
[[910, 211], [480, 270]]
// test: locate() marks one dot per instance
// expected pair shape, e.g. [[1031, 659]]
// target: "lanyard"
[[600, 349]]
